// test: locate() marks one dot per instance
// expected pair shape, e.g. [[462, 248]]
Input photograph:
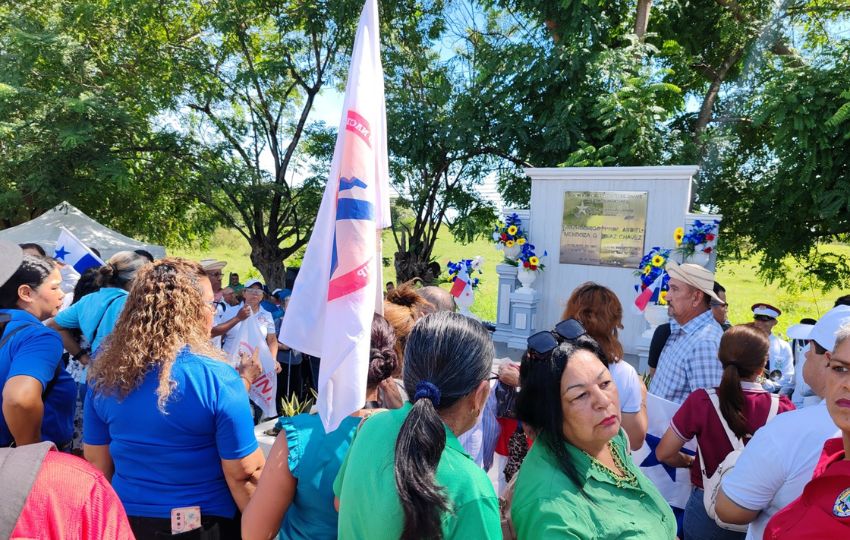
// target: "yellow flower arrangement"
[[512, 230], [662, 298], [520, 241], [509, 243], [533, 261], [657, 261], [678, 234]]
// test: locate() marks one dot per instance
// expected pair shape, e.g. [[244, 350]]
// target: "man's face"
[[229, 297], [215, 279], [815, 370], [682, 299], [764, 323], [720, 310], [234, 279]]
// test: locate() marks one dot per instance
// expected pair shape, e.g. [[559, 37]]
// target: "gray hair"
[[120, 270], [842, 335]]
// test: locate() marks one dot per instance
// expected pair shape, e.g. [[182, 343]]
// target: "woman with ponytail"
[[406, 475], [295, 493], [745, 407]]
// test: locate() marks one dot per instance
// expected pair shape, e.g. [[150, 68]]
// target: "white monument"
[[596, 223]]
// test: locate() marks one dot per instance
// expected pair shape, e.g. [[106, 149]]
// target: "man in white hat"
[[780, 357], [213, 269], [779, 460], [689, 359]]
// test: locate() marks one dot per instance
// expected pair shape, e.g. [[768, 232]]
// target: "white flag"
[[338, 288], [251, 338], [674, 484]]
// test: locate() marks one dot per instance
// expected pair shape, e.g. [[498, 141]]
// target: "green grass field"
[[743, 286]]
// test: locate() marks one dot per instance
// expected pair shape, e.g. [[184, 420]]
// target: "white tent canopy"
[[44, 230]]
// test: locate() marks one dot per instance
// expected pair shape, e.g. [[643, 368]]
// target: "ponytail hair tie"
[[425, 389]]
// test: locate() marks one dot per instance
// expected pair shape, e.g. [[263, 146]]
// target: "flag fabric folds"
[[338, 288], [74, 253], [252, 340], [644, 297]]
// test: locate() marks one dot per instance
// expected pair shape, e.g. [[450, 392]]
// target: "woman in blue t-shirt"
[[297, 482], [37, 395], [165, 417]]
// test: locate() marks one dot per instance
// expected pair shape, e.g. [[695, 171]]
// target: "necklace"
[[627, 477]]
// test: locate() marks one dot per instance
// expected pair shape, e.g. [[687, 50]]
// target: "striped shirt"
[[689, 359]]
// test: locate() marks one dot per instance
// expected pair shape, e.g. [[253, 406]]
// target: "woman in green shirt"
[[406, 475], [578, 480]]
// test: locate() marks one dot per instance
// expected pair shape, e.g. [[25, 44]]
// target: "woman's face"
[[589, 402], [45, 300], [252, 296], [838, 385]]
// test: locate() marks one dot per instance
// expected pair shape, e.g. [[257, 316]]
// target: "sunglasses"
[[545, 342], [763, 318]]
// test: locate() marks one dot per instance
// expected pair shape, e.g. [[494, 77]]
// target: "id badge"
[[185, 519]]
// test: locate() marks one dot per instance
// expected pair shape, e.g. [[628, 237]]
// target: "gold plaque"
[[603, 228]]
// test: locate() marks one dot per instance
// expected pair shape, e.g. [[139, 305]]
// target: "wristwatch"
[[82, 353]]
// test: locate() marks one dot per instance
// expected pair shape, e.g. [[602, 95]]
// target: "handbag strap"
[[18, 470], [102, 316], [737, 444], [774, 407]]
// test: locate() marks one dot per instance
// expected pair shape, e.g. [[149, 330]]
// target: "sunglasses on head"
[[546, 341]]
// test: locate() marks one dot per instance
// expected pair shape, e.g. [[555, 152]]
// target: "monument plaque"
[[603, 228]]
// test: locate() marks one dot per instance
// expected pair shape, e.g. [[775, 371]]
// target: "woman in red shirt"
[[745, 406], [823, 510]]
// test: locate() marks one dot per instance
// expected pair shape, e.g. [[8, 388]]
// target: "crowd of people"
[[137, 370]]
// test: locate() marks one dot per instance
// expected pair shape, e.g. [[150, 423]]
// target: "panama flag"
[[673, 484], [644, 297], [74, 253], [338, 288]]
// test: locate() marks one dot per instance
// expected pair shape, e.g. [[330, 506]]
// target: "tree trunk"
[[705, 112], [415, 264], [642, 18], [268, 259]]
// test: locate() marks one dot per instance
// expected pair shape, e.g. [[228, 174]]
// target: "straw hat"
[[212, 264], [694, 275], [11, 256]]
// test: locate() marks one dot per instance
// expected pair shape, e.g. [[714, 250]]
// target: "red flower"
[[533, 268], [525, 264], [504, 236], [709, 237], [707, 250]]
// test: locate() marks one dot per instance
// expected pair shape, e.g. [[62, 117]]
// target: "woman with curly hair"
[[599, 310], [295, 494], [166, 419]]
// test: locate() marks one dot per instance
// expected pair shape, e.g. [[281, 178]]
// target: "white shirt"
[[262, 318], [778, 462], [628, 386], [780, 358]]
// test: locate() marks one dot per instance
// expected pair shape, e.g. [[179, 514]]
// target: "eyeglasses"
[[212, 304], [214, 274], [251, 291], [763, 318], [546, 341], [714, 304]]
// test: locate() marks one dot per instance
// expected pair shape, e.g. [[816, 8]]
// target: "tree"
[[70, 129]]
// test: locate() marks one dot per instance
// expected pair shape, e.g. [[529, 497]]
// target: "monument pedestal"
[[642, 351], [507, 285], [524, 317]]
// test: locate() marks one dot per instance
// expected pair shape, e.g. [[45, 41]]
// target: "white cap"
[[823, 332], [251, 282], [799, 331]]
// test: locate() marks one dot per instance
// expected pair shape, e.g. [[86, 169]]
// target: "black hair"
[[842, 301], [446, 357], [86, 285], [144, 253], [95, 251], [539, 401], [33, 245], [718, 288], [33, 270]]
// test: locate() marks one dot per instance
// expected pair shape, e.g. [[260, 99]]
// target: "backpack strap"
[[774, 407], [18, 470], [102, 316], [737, 444], [7, 336]]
